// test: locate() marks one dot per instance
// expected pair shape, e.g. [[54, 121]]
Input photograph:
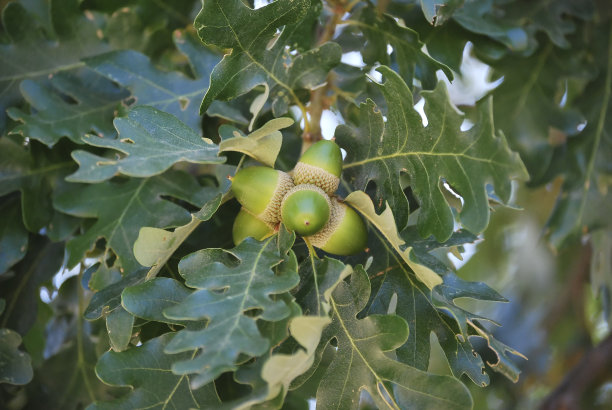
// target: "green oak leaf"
[[230, 24], [15, 365], [516, 25], [34, 171], [32, 55], [381, 151], [13, 235], [361, 363], [271, 375], [122, 208], [152, 142], [529, 112], [171, 92], [51, 117], [246, 276], [147, 370], [382, 30], [428, 310]]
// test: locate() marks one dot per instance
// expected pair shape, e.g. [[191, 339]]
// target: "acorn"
[[320, 165], [246, 224], [344, 234], [305, 209], [261, 190]]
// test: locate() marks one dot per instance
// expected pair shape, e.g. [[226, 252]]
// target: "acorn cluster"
[[304, 202]]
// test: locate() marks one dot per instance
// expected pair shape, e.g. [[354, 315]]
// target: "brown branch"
[[592, 369], [571, 295]]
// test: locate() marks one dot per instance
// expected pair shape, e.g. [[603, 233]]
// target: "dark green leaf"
[[152, 142], [383, 30], [94, 104], [361, 363], [467, 160], [228, 284], [123, 208], [231, 24], [15, 365], [32, 55], [147, 370], [171, 92]]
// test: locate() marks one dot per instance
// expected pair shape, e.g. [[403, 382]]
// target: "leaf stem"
[[79, 335], [313, 254]]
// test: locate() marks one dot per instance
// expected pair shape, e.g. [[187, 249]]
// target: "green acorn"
[[261, 190], [344, 234], [305, 209], [246, 224], [320, 165]]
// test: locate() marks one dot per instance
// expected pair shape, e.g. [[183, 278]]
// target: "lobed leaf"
[[122, 208], [31, 55], [232, 25], [228, 285], [381, 151], [171, 92], [361, 363], [94, 103], [381, 30], [147, 370], [152, 142]]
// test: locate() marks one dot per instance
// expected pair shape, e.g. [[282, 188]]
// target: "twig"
[[594, 366]]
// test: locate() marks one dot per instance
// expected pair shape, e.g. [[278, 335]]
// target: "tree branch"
[[594, 366]]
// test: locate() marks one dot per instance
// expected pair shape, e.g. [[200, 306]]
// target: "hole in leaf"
[[184, 102], [255, 312]]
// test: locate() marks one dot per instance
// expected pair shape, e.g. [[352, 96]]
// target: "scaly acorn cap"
[[305, 209], [320, 165], [261, 190], [344, 234], [246, 224]]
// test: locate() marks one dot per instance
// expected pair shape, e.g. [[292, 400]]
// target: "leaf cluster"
[[121, 121]]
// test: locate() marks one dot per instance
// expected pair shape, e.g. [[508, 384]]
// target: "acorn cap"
[[344, 234], [305, 209], [248, 225], [320, 165], [261, 190]]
